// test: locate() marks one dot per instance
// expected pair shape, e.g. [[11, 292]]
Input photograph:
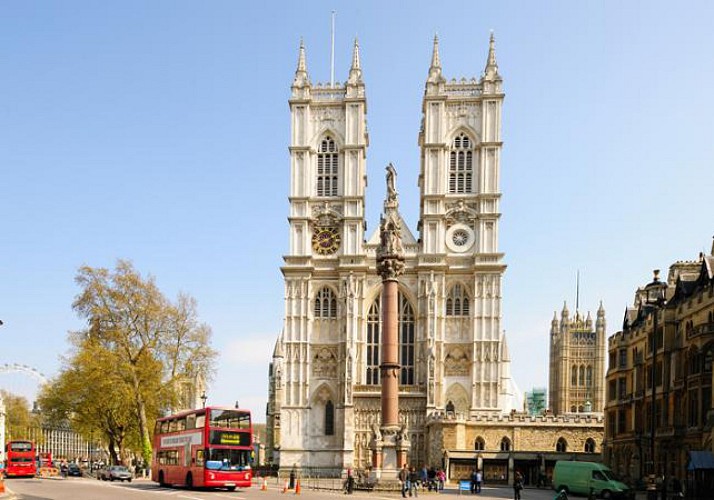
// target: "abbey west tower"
[[324, 388]]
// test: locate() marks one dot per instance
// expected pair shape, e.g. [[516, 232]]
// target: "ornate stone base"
[[390, 448]]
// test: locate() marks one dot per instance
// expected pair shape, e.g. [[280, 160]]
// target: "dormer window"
[[327, 157]]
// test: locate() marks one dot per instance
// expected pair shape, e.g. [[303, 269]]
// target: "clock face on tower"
[[325, 240]]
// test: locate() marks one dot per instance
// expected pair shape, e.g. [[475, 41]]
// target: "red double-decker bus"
[[21, 459], [210, 447]]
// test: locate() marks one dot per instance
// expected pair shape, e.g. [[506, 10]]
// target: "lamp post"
[[654, 298], [204, 398]]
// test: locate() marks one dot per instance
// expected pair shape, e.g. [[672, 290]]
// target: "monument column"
[[390, 443]]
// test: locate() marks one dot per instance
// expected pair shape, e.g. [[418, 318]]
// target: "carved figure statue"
[[391, 183], [377, 432]]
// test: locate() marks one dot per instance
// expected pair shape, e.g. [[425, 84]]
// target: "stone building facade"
[[667, 338], [458, 405], [577, 363]]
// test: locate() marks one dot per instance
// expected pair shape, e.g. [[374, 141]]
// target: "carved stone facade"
[[500, 445], [324, 379], [673, 332], [577, 363]]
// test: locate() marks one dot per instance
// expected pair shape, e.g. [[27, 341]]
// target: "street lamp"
[[656, 299], [204, 398]]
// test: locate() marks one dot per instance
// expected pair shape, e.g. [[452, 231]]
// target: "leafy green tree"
[[134, 356], [18, 418]]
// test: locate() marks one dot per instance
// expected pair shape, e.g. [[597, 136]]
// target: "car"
[[74, 470], [114, 473]]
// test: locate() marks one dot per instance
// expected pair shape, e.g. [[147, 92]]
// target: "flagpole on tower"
[[332, 51]]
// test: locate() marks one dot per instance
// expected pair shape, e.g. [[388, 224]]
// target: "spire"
[[435, 68], [491, 71], [356, 69], [565, 312], [600, 310], [301, 71]]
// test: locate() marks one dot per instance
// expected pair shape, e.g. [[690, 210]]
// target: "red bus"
[[20, 459], [210, 447]]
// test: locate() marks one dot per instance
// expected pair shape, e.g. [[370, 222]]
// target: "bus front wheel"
[[189, 481], [161, 479], [231, 488]]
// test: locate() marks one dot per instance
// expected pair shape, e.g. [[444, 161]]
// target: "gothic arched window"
[[406, 341], [574, 375], [582, 375], [327, 157], [326, 303], [373, 344], [505, 444], [589, 376], [561, 446], [457, 302], [329, 418], [479, 444], [589, 445], [461, 165]]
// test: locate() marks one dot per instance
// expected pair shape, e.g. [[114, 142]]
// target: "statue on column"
[[391, 183], [390, 253]]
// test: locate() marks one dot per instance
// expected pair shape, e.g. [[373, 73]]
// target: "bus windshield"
[[230, 419], [225, 459]]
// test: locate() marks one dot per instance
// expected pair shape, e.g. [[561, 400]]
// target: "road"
[[91, 489]]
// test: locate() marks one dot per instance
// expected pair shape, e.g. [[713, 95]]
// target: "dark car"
[[114, 473], [74, 470]]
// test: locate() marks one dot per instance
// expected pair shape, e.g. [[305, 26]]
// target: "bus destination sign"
[[229, 438]]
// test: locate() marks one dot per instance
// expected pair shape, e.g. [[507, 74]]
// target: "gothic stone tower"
[[324, 406], [461, 268], [577, 363]]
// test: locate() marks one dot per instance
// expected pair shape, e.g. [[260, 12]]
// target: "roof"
[[700, 460]]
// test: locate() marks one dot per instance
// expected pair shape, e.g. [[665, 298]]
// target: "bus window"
[[199, 458], [191, 421], [181, 424], [164, 427], [200, 421]]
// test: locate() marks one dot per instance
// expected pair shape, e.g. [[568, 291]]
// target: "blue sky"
[[158, 132]]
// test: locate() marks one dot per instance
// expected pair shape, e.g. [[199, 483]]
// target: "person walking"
[[404, 480], [517, 486], [413, 482], [479, 480]]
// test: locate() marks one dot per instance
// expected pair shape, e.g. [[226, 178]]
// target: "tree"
[[140, 345], [19, 419]]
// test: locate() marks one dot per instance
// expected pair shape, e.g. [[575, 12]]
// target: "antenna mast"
[[577, 293], [332, 51]]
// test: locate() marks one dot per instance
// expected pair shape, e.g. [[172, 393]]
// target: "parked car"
[[74, 470], [114, 473]]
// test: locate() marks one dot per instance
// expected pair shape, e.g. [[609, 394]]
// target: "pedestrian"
[[479, 480], [441, 478], [350, 483], [517, 486], [404, 480], [473, 481], [413, 482], [424, 477], [293, 473]]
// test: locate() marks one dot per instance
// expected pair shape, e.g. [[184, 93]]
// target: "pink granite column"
[[389, 368]]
